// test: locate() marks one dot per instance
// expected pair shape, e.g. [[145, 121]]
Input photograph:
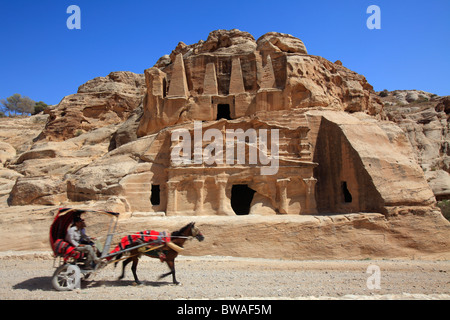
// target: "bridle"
[[195, 231]]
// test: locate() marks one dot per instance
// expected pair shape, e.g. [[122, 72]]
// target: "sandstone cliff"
[[99, 102], [424, 118], [274, 71], [231, 68], [343, 148]]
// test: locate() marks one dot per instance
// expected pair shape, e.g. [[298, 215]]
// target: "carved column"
[[311, 206], [305, 151], [282, 195], [199, 188], [172, 197], [221, 183]]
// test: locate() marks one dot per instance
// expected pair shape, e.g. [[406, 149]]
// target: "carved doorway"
[[223, 112], [241, 198], [346, 193], [155, 198]]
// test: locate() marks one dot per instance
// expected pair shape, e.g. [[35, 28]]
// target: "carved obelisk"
[[236, 80], [210, 81], [178, 83]]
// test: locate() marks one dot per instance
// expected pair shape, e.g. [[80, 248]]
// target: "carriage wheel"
[[66, 278]]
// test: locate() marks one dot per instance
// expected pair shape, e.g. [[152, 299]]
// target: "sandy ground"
[[27, 275]]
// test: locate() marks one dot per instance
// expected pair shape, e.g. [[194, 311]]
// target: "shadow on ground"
[[45, 284]]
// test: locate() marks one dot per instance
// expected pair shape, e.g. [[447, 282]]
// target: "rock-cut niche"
[[241, 198], [223, 112]]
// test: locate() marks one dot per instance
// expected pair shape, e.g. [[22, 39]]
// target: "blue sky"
[[41, 58]]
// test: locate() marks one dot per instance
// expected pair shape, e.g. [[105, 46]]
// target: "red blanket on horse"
[[141, 237]]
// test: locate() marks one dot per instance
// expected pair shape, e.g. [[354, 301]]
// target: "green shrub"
[[39, 107], [384, 93]]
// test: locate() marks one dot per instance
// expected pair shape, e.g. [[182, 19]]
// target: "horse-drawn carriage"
[[70, 262]]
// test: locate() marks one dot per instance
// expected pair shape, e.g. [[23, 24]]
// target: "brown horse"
[[168, 253]]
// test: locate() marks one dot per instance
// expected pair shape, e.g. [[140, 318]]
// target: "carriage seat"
[[67, 251]]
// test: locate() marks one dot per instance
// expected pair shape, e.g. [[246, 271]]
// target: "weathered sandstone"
[[232, 69], [329, 161], [351, 166], [424, 118], [403, 235], [99, 102], [44, 168], [7, 152]]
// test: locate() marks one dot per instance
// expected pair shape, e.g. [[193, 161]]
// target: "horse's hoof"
[[177, 283], [137, 283]]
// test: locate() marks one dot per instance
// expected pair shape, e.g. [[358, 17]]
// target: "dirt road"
[[28, 276]]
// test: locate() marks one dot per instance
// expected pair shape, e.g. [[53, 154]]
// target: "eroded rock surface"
[[340, 148]]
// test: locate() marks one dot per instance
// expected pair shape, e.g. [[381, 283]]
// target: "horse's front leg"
[[171, 265], [134, 268]]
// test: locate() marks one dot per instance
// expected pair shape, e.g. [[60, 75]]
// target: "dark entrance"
[[241, 198], [155, 197], [346, 193], [223, 112]]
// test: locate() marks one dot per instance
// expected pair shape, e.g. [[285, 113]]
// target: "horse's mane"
[[182, 230]]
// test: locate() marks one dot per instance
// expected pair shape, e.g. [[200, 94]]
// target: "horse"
[[170, 250]]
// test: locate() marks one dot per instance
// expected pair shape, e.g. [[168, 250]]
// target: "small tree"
[[18, 104], [10, 104], [26, 105]]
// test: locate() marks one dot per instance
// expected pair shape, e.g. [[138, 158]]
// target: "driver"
[[76, 236]]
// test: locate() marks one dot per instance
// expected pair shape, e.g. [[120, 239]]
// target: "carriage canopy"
[[64, 220]]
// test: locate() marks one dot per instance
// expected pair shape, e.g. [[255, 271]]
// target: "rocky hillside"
[[105, 147], [424, 117], [40, 154], [98, 103], [272, 73]]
